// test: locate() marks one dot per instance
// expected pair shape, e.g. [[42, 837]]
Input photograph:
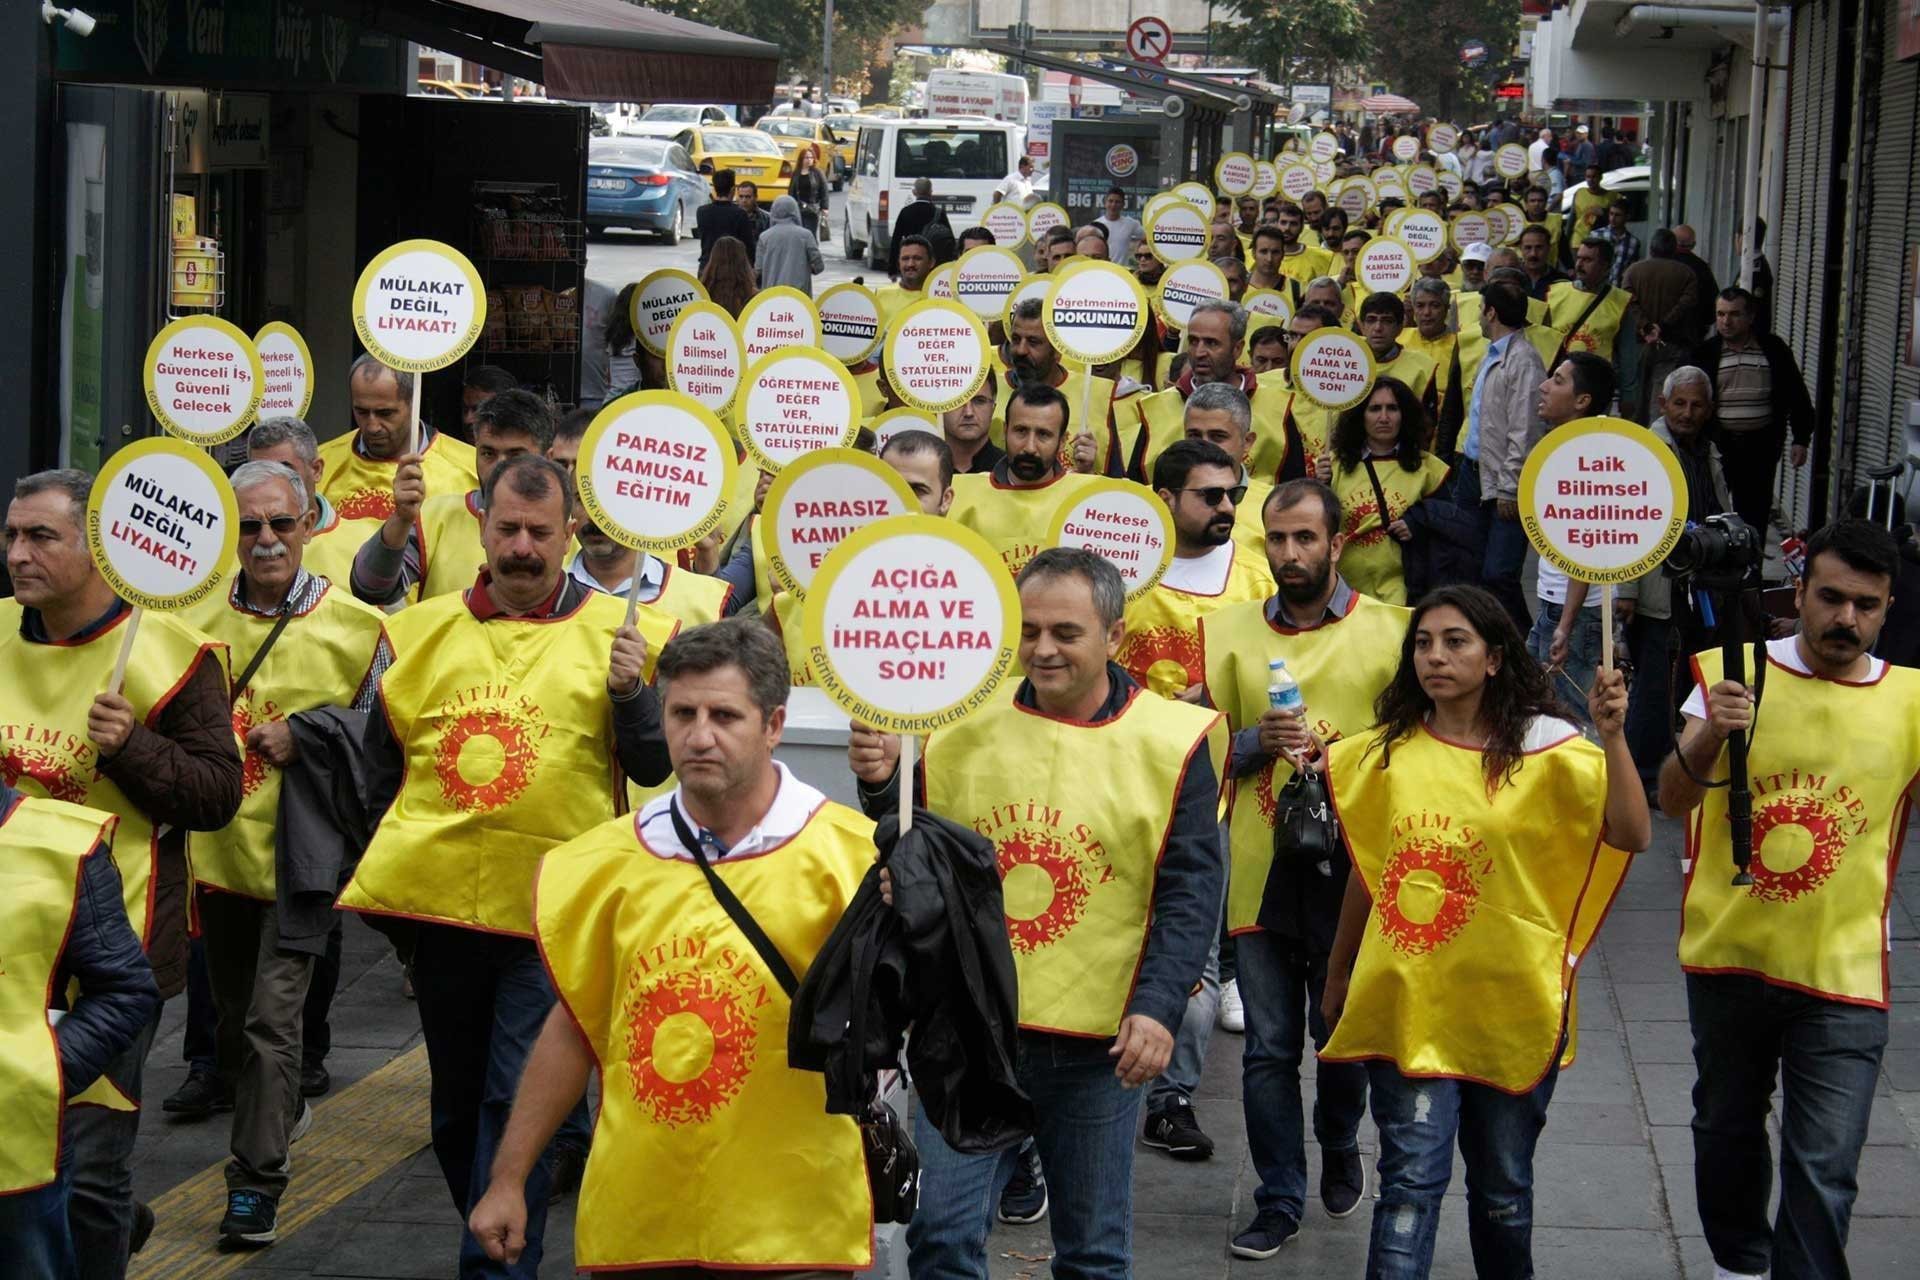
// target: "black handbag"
[[1304, 825], [893, 1162]]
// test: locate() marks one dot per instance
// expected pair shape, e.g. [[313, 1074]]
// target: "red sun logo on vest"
[[690, 1046], [1427, 896], [1797, 842], [1027, 858], [1357, 515], [485, 760], [58, 778], [366, 504], [1175, 652], [253, 765]]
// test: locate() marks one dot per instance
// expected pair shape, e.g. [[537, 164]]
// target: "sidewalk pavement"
[[1614, 1177]]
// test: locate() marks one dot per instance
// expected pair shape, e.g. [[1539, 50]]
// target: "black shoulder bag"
[[893, 1163]]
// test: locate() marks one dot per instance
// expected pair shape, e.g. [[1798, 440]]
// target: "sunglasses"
[[282, 525], [1211, 496]]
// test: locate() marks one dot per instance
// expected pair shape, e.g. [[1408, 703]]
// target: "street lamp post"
[[826, 60]]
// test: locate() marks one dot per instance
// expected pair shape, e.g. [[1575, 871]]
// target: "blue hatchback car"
[[648, 184]]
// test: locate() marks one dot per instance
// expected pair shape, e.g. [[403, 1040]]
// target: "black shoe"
[[142, 1226], [1025, 1199], [314, 1079], [1269, 1230], [199, 1097], [1343, 1181], [250, 1218], [1175, 1130], [569, 1163]]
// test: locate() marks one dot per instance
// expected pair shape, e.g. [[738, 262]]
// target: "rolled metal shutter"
[[1892, 222]]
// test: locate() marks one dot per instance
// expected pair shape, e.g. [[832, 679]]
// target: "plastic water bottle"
[[1283, 691]]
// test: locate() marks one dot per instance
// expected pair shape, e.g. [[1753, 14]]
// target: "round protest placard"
[[885, 426], [1442, 138], [1422, 178], [1386, 265], [1033, 286], [1043, 218], [1197, 195], [1602, 500], [203, 379], [419, 306], [1185, 286], [1234, 173], [1095, 312], [1388, 185], [704, 358], [655, 470], [911, 623], [1516, 222], [936, 355], [1266, 179], [161, 523], [1390, 225], [657, 302], [1353, 199], [793, 402], [1296, 180], [849, 322], [1122, 521], [1177, 233], [1510, 160], [1332, 368], [1155, 203], [1264, 305], [1324, 147], [1324, 170], [818, 502], [1406, 148], [778, 317], [1451, 183], [1470, 228], [1496, 217], [1360, 182], [940, 282], [985, 277], [1425, 232], [286, 367], [1007, 221]]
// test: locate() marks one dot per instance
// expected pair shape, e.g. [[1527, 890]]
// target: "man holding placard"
[[1103, 805], [1382, 317], [1032, 360], [1010, 505], [302, 643], [139, 730], [969, 430], [499, 740], [1216, 336], [1456, 358]]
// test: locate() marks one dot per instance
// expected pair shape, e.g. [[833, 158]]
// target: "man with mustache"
[[1342, 648], [302, 642], [1787, 977], [1013, 505], [1216, 340], [498, 740], [1028, 357]]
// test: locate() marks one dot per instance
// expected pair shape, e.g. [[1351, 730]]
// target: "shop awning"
[[587, 50]]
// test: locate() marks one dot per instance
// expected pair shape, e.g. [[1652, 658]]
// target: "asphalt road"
[[621, 257]]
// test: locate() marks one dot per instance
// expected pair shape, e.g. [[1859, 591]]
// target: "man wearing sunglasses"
[[299, 643]]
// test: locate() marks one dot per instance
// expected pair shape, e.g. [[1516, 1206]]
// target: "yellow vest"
[[450, 548], [1078, 814], [330, 552], [1307, 265], [1415, 368], [507, 733], [690, 1031], [1163, 420], [1098, 416], [1589, 212], [693, 599], [1565, 303], [786, 609], [1341, 665], [1371, 560], [1465, 966], [1013, 519], [1472, 350], [44, 748], [320, 661], [1162, 646], [893, 300], [361, 489], [866, 376], [1830, 764], [1544, 337], [46, 842], [1249, 525]]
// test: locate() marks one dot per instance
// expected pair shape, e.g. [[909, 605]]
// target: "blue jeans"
[[1575, 676], [1085, 1131], [1504, 543], [1827, 1055], [1419, 1121], [1280, 988], [483, 998], [1650, 700], [33, 1224]]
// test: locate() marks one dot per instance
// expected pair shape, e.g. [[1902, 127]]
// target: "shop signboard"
[[265, 44]]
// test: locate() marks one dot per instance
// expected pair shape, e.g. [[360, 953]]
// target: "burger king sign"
[[1122, 160]]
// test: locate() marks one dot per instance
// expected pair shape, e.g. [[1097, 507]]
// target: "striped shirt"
[[1744, 394]]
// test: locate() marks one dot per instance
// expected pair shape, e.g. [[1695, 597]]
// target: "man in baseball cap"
[[1473, 266]]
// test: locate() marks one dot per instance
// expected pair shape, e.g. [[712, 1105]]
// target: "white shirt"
[[1786, 652], [1201, 575], [1553, 588], [794, 805], [1016, 188], [653, 576], [1122, 234], [1536, 155]]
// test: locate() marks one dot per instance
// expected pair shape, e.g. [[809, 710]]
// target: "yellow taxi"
[[794, 133], [752, 155]]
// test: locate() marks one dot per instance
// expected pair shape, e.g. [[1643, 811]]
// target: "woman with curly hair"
[[1380, 471], [1486, 835], [729, 277]]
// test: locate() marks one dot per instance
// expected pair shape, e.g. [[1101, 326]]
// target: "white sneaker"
[[1233, 1014], [302, 1124], [1721, 1273]]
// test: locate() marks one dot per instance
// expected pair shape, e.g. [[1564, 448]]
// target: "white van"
[[953, 91], [967, 161]]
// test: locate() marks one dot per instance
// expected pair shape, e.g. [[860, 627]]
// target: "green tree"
[[1417, 50], [794, 25], [1295, 40]]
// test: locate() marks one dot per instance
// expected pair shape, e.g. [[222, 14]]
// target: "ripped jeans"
[[1418, 1122]]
